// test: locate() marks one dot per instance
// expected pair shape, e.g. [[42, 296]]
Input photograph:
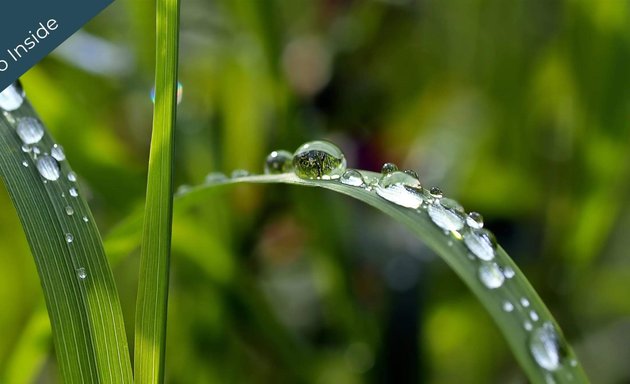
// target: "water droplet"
[[85, 218], [180, 93], [48, 167], [30, 130], [81, 273], [528, 325], [352, 177], [474, 220], [319, 160], [215, 177], [388, 168], [69, 210], [26, 148], [239, 173], [400, 188], [25, 163], [481, 243], [72, 176], [184, 188], [69, 238], [57, 152], [490, 275], [280, 161], [507, 306], [36, 151], [436, 192], [545, 347], [73, 192], [447, 214], [524, 302], [12, 97], [508, 272], [412, 173], [533, 315]]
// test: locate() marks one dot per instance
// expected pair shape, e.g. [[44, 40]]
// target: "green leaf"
[[151, 306], [522, 325], [81, 297]]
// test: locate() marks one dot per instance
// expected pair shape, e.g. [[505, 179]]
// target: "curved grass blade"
[[81, 297], [151, 306], [522, 317]]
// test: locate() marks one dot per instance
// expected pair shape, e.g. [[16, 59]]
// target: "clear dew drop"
[[72, 176], [524, 302], [436, 192], [69, 210], [48, 168], [30, 130], [481, 243], [401, 189], [81, 273], [180, 93], [508, 272], [352, 177], [215, 177], [239, 173], [69, 238], [490, 275], [533, 315], [277, 162], [73, 192], [447, 214], [57, 152], [12, 97], [545, 347], [474, 220], [319, 160], [388, 168], [507, 306]]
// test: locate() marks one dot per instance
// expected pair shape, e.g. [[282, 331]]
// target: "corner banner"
[[31, 29]]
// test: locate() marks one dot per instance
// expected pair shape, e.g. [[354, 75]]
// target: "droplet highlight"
[[48, 168], [388, 168], [180, 93], [319, 160]]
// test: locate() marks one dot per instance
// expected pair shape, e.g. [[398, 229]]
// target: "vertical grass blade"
[[151, 306], [81, 297]]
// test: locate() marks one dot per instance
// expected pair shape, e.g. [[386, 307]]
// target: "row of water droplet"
[[46, 158]]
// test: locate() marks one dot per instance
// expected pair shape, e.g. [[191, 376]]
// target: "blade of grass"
[[84, 307], [152, 303], [517, 324]]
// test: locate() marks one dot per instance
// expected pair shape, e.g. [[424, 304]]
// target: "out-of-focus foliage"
[[520, 110]]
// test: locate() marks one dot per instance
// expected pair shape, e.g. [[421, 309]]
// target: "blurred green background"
[[518, 109]]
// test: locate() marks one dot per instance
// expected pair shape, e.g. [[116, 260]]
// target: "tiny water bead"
[[30, 130], [400, 188], [508, 272], [85, 219], [72, 177], [528, 325], [27, 148], [474, 220], [81, 273], [545, 347], [57, 152], [25, 163], [352, 177], [69, 210], [481, 243], [48, 168], [215, 177], [388, 168], [12, 97], [490, 275], [69, 238], [507, 306], [533, 315], [436, 192], [524, 302], [239, 173], [180, 93], [319, 160], [447, 214], [280, 161], [73, 192]]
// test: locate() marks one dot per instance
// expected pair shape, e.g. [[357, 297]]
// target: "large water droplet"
[[490, 275], [12, 97], [544, 346], [48, 167], [57, 152], [280, 161], [69, 238], [30, 130], [447, 214], [81, 273], [319, 160], [400, 188], [180, 93], [352, 177], [481, 243], [474, 220]]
